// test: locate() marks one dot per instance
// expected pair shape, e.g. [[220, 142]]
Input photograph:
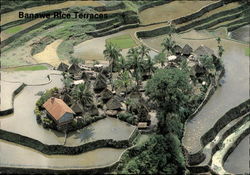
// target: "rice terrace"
[[125, 87]]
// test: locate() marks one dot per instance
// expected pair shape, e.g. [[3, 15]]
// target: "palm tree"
[[122, 64], [136, 63], [160, 58], [111, 53], [149, 65], [67, 81], [168, 44], [143, 51], [124, 81], [81, 93]]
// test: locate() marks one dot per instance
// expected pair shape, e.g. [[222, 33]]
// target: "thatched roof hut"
[[77, 108], [113, 104], [99, 85], [177, 50], [203, 50], [74, 69], [187, 50], [106, 94], [63, 67]]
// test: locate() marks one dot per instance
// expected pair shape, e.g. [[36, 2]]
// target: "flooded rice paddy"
[[24, 105], [171, 10], [234, 90], [241, 34], [13, 155], [237, 161]]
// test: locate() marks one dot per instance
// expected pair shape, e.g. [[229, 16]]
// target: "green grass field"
[[247, 51], [13, 30], [122, 42], [30, 68]]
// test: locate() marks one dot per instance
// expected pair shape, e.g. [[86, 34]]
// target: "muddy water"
[[234, 91], [108, 128], [241, 34], [49, 54], [13, 155], [171, 11], [24, 105], [6, 94], [237, 162]]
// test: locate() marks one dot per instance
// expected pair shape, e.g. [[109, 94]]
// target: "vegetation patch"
[[13, 30], [122, 42], [30, 68], [247, 51]]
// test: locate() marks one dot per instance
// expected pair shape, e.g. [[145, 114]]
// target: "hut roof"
[[74, 68], [106, 94], [187, 50], [177, 49], [99, 84], [57, 108], [66, 98], [77, 108], [113, 104], [62, 67], [203, 50]]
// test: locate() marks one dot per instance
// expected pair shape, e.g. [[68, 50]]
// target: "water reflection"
[[85, 134]]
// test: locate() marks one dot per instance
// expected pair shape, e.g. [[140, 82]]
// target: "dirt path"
[[49, 54]]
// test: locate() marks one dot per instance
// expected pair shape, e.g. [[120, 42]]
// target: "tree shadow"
[[84, 134]]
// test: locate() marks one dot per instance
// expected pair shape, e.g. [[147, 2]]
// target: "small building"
[[77, 108], [187, 50], [59, 111], [177, 50], [63, 67], [203, 50], [74, 69]]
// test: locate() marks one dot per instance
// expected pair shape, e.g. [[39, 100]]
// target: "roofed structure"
[[59, 111], [63, 67], [77, 108], [187, 50], [203, 50], [113, 104], [74, 68], [177, 49]]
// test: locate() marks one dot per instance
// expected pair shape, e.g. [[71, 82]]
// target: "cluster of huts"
[[63, 110], [193, 59]]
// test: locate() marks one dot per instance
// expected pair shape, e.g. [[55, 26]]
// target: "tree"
[[220, 51], [149, 65], [168, 44], [136, 63], [122, 64], [111, 53], [160, 58], [170, 89], [143, 51], [207, 62], [74, 60], [81, 93], [67, 81], [124, 81]]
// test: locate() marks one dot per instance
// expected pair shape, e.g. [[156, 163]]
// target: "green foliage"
[[169, 88], [46, 96], [30, 68], [122, 42], [74, 60], [81, 93], [168, 43], [128, 117], [158, 155], [160, 58], [207, 62], [13, 30], [124, 80]]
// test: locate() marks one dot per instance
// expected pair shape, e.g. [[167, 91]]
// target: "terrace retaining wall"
[[11, 110], [61, 149]]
